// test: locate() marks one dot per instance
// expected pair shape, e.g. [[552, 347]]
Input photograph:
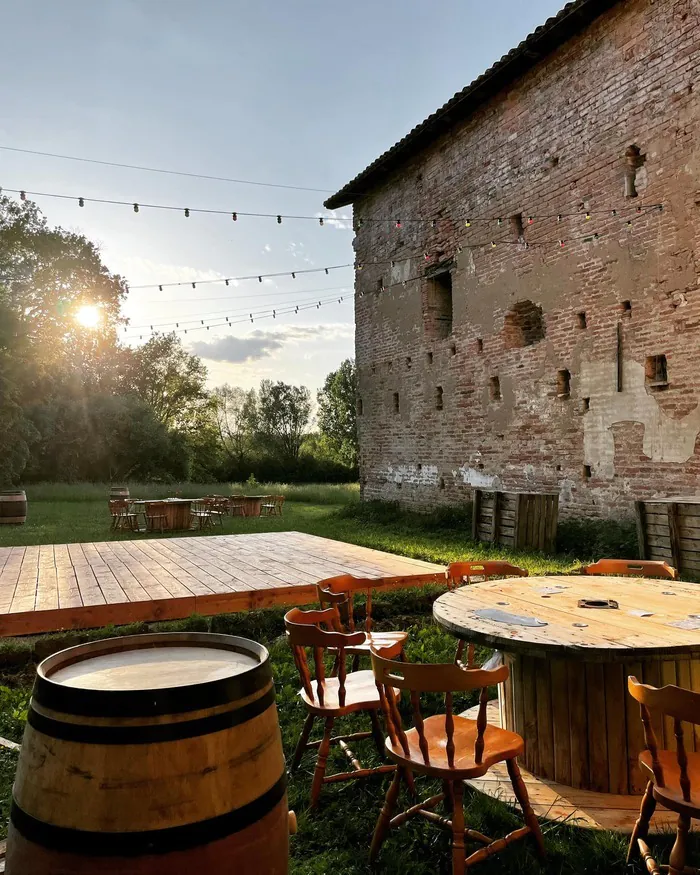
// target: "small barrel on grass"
[[118, 492], [13, 507]]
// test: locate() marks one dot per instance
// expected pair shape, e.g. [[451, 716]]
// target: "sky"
[[300, 93]]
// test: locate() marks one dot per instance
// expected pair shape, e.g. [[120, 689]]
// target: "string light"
[[187, 213], [81, 202], [320, 221], [468, 223], [234, 216], [136, 208]]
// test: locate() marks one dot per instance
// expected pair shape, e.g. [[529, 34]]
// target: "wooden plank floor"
[[78, 586]]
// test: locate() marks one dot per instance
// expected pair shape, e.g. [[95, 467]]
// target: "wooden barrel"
[[13, 507], [117, 492], [151, 754]]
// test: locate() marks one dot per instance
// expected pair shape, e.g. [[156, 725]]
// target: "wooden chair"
[[459, 572], [340, 591], [674, 777], [201, 516], [212, 504], [330, 698], [236, 505], [122, 515], [272, 505], [631, 568], [449, 747], [156, 516]]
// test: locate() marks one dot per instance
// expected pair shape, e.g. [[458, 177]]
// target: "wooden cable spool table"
[[178, 511], [567, 690]]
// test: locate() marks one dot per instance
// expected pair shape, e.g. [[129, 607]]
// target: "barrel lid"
[[152, 674]]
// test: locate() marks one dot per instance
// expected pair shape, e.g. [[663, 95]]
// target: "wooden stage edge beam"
[[154, 610]]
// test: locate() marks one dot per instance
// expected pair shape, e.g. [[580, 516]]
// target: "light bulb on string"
[[194, 285], [493, 244], [234, 216], [279, 220], [499, 222], [468, 223], [318, 306], [320, 221], [588, 216], [226, 281], [259, 279], [274, 314], [398, 223], [530, 220], [202, 321], [296, 309], [136, 208], [614, 213], [559, 217], [81, 201], [160, 288], [326, 269], [187, 213], [561, 243], [294, 276], [433, 223]]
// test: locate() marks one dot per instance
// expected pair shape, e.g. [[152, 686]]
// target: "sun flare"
[[88, 316]]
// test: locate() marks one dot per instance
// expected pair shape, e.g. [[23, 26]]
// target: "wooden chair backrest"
[[631, 568], [390, 674], [675, 702], [118, 506], [278, 500], [340, 591], [304, 631], [457, 571]]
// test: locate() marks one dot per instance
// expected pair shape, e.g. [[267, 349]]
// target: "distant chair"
[[674, 776], [340, 592], [237, 505], [201, 516], [272, 505], [156, 516], [216, 509], [467, 572], [450, 748], [631, 568], [122, 515], [331, 698]]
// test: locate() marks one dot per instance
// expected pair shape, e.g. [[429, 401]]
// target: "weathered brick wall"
[[555, 143]]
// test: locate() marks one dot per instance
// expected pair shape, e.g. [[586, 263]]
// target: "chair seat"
[[671, 795], [499, 745], [360, 693], [379, 640]]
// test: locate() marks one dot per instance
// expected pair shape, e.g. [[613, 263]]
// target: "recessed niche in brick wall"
[[438, 301], [397, 404], [495, 389], [563, 384], [656, 372], [438, 398], [523, 325]]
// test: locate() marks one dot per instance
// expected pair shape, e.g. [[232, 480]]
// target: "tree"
[[169, 378], [337, 411], [283, 417], [236, 416], [16, 433]]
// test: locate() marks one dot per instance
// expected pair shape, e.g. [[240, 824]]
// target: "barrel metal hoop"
[[85, 733], [157, 841]]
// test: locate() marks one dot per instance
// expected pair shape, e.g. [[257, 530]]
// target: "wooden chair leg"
[[356, 662], [382, 828], [521, 795], [320, 769], [303, 740], [377, 733], [458, 854], [641, 826], [676, 862], [449, 795]]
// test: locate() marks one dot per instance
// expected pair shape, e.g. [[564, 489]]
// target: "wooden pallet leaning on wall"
[[520, 520], [669, 530]]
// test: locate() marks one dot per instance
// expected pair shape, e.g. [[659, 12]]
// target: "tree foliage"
[[337, 411], [283, 416]]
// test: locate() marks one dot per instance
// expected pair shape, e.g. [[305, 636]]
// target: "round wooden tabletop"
[[542, 614]]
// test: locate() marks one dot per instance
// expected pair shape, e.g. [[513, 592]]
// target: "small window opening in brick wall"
[[563, 384], [626, 308], [585, 405], [408, 362], [391, 366], [656, 372], [634, 160], [586, 473], [374, 370], [523, 325], [360, 407], [453, 349], [516, 224], [581, 320], [419, 467], [429, 357], [441, 483], [479, 345], [439, 398], [438, 316], [380, 284], [397, 406], [495, 389]]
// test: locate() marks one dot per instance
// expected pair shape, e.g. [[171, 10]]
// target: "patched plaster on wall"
[[665, 439], [478, 479], [427, 475]]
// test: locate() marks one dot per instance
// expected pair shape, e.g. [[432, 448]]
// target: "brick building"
[[536, 364]]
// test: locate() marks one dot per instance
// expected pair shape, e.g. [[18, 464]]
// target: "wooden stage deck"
[[79, 586]]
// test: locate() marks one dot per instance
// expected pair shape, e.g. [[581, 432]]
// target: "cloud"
[[237, 350], [262, 344]]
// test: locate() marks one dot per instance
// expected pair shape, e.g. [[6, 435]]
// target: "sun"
[[88, 316]]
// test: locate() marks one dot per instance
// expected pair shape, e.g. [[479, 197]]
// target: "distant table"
[[177, 512], [253, 504], [567, 690]]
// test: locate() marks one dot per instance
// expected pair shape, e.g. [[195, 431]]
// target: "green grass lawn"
[[336, 838]]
